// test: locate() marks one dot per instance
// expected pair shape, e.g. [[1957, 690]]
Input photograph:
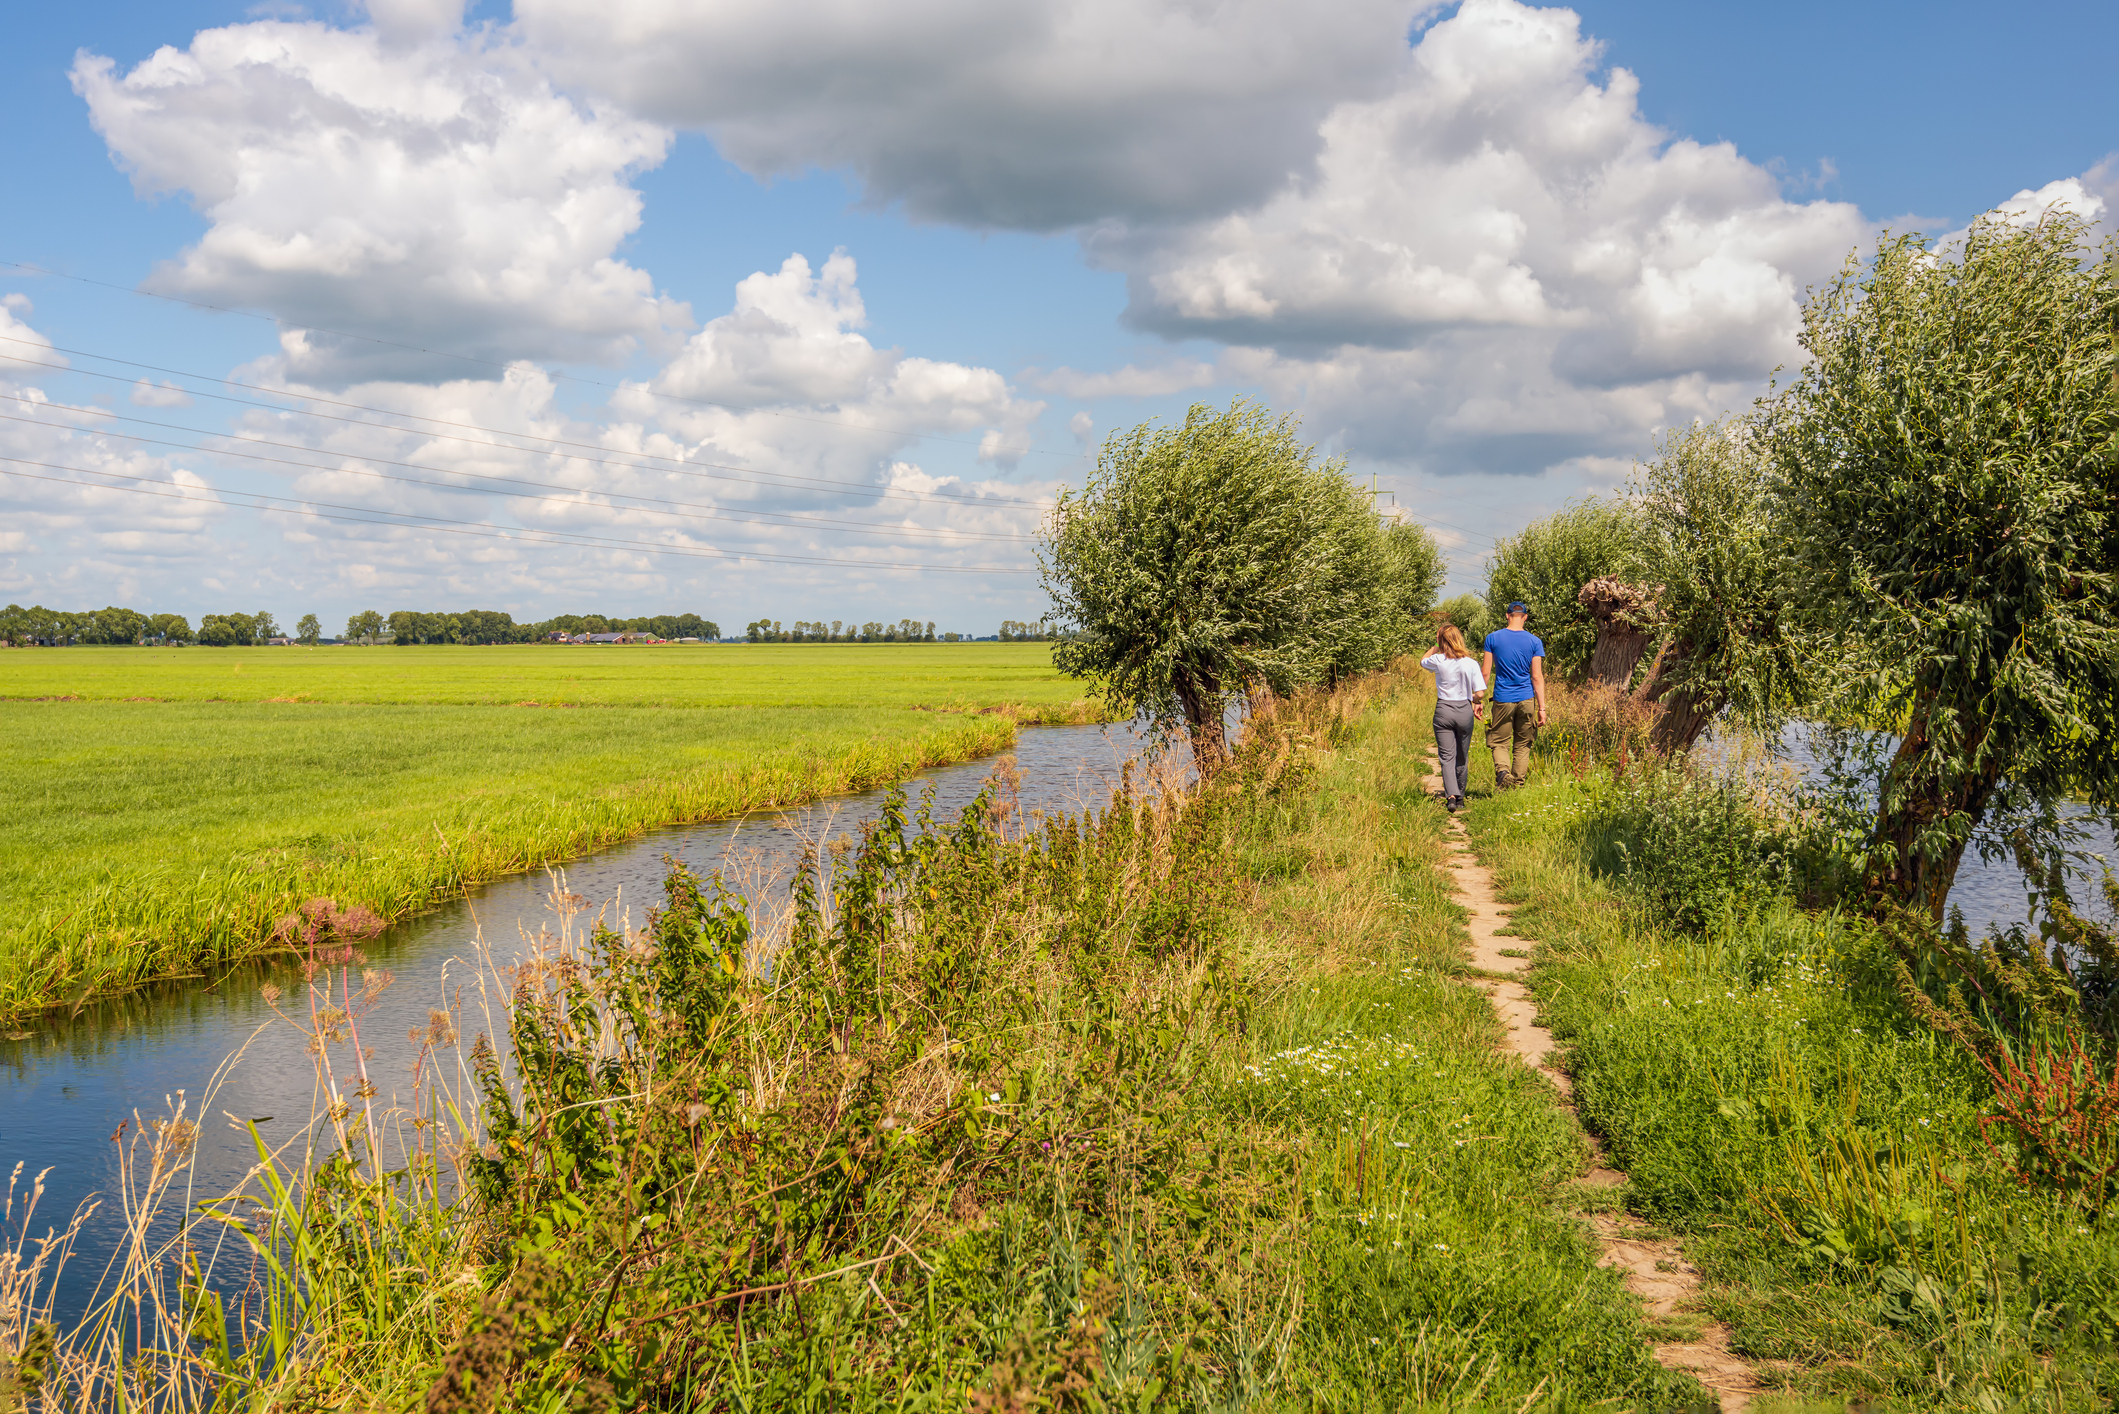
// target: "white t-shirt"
[[1456, 679]]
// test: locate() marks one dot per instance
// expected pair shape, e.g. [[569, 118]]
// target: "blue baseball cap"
[[1517, 606]]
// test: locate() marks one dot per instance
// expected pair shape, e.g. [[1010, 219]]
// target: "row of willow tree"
[[1204, 561], [1917, 535]]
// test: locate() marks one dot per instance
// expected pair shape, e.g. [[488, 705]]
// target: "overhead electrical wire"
[[367, 515], [668, 465], [679, 465], [492, 363], [691, 510]]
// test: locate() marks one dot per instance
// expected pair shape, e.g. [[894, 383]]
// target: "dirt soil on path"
[[1655, 1267]]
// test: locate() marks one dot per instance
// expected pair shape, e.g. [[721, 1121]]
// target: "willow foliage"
[[1950, 458], [1704, 516], [1206, 559], [1546, 564]]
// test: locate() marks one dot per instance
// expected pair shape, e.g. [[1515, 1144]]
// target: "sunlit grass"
[[1820, 1150], [964, 676], [152, 839], [167, 805]]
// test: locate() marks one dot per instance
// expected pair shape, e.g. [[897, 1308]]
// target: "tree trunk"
[[1625, 616], [1658, 680], [1618, 652], [1687, 711], [1200, 697], [1915, 880], [1685, 717]]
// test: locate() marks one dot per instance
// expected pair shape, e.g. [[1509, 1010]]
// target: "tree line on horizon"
[[844, 631], [55, 628]]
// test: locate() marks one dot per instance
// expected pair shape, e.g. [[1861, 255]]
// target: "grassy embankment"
[[167, 807], [1181, 1106], [1753, 1069]]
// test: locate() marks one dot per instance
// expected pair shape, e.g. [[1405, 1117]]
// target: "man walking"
[[1514, 662]]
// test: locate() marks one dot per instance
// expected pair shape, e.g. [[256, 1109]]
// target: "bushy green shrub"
[[1468, 613], [1697, 844]]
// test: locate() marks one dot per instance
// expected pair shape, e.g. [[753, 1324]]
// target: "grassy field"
[[168, 807], [968, 675], [1188, 1106]]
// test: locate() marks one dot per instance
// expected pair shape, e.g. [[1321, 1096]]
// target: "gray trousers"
[[1453, 745]]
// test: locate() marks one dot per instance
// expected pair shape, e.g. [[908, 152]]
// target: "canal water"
[[1990, 893], [75, 1089]]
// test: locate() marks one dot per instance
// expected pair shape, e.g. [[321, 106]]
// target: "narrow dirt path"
[[1655, 1268]]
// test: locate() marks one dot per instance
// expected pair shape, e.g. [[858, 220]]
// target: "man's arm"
[[1537, 685], [1486, 671]]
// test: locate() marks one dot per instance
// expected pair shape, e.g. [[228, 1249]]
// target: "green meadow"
[[167, 807], [1019, 676]]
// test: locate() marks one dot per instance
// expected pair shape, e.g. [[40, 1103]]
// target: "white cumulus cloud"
[[777, 434], [422, 189], [792, 344], [1038, 115], [1500, 262]]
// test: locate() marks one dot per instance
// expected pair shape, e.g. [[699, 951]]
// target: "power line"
[[678, 465], [690, 510], [279, 323], [674, 465], [365, 515]]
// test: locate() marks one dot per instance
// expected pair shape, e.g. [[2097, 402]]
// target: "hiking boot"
[[1505, 780]]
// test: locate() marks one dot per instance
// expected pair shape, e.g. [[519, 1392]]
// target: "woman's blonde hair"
[[1451, 642]]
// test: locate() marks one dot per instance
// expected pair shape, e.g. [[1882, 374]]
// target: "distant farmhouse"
[[628, 636]]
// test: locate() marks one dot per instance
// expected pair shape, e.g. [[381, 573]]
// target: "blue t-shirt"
[[1513, 648]]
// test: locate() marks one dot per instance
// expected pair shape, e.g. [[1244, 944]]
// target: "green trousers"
[[1511, 728]]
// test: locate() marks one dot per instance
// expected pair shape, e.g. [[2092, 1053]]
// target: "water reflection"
[[219, 1045], [1989, 892]]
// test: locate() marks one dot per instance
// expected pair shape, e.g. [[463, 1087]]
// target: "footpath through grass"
[[170, 833], [1755, 1072], [1182, 1105]]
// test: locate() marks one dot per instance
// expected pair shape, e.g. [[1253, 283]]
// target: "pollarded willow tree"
[[1546, 564], [1950, 459], [1704, 510], [1203, 560]]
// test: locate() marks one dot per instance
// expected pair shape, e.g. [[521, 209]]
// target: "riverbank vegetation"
[[169, 837], [1916, 534], [1178, 1104], [1894, 1147], [1886, 1214]]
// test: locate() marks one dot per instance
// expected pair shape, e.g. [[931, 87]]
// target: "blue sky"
[[1459, 241]]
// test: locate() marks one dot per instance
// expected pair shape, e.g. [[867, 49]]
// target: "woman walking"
[[1458, 683]]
